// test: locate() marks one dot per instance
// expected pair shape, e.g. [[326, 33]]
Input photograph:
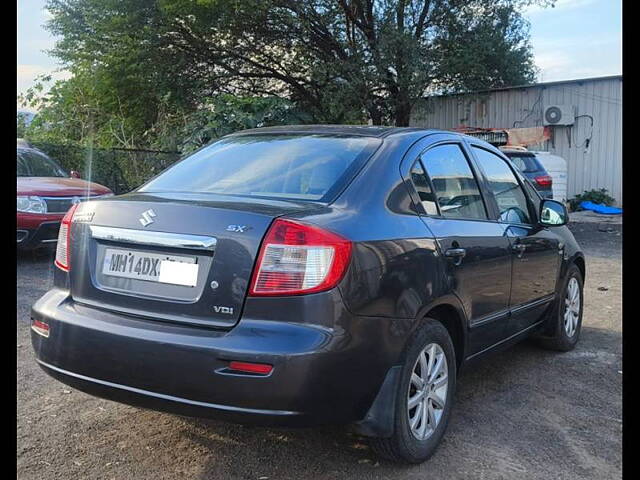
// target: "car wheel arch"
[[580, 263], [448, 311], [378, 422]]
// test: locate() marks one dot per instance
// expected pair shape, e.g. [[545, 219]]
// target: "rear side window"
[[511, 199], [455, 186], [304, 167]]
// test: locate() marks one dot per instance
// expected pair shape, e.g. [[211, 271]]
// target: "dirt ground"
[[525, 413]]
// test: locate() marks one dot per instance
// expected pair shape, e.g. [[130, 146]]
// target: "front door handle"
[[456, 254]]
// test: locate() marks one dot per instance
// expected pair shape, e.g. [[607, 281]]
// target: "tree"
[[342, 61]]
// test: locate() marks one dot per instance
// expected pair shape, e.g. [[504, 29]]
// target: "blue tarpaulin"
[[600, 208]]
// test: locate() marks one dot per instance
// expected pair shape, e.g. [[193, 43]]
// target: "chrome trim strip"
[[170, 398], [501, 315], [535, 303], [159, 239]]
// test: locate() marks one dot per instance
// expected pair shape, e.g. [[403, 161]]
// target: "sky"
[[575, 39]]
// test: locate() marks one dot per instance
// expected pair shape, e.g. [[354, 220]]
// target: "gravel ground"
[[526, 413]]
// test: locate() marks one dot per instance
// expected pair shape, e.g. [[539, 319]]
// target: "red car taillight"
[[63, 248], [296, 258], [543, 180]]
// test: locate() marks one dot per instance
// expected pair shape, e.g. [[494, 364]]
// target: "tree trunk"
[[376, 116], [403, 113]]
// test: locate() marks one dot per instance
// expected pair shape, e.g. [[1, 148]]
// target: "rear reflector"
[[261, 368], [63, 250], [544, 180], [297, 258], [40, 328]]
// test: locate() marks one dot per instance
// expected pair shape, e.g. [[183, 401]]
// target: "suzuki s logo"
[[219, 309], [147, 218]]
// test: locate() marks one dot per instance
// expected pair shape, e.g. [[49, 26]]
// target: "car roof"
[[358, 130]]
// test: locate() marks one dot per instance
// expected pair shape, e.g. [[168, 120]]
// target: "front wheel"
[[567, 317], [424, 397]]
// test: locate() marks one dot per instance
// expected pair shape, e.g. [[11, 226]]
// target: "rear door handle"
[[457, 254], [519, 248]]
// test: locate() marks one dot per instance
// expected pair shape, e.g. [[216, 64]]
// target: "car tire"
[[430, 345], [567, 316]]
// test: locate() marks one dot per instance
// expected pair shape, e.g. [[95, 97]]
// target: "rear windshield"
[[303, 167], [525, 163]]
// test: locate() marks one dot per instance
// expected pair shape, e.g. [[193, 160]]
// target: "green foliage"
[[599, 196], [227, 114], [22, 124]]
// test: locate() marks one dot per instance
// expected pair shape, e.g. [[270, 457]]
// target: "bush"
[[599, 196]]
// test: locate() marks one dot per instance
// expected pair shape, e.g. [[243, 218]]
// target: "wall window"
[[455, 186]]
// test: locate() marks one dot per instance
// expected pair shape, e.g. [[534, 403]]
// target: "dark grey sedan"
[[311, 275]]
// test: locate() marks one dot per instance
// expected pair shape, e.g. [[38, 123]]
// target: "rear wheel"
[[424, 397], [567, 316]]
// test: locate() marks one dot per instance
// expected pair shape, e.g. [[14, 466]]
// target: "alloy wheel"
[[572, 307], [427, 393]]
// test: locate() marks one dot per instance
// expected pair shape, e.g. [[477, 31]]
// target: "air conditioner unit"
[[559, 115]]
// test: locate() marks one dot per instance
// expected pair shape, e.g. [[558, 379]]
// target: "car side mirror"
[[74, 174], [553, 213]]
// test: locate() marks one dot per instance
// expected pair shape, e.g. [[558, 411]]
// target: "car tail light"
[[543, 180], [63, 249], [296, 258]]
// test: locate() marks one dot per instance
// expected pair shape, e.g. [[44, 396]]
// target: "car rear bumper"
[[320, 375]]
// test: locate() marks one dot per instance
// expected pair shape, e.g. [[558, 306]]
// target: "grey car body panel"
[[331, 351]]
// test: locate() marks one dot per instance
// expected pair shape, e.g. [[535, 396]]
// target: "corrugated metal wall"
[[598, 165]]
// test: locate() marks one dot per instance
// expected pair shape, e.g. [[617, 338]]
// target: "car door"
[[536, 250], [476, 249]]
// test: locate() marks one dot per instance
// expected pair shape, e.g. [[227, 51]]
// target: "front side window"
[[511, 199], [534, 196], [304, 167], [455, 186]]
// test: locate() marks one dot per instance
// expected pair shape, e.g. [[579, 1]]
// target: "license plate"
[[152, 267]]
